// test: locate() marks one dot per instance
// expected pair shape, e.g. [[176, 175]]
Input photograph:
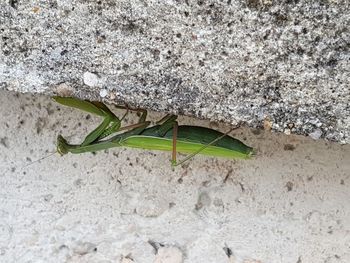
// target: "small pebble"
[[287, 131], [91, 79], [103, 93], [169, 255], [112, 95], [267, 124], [316, 134], [64, 90]]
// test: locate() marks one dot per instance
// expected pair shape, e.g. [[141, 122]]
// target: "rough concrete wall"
[[290, 204], [282, 62]]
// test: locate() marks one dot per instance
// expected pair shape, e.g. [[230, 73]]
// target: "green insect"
[[166, 135]]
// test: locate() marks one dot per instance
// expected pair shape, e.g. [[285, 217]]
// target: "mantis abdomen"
[[189, 140]]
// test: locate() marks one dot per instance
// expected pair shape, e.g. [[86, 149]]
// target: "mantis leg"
[[173, 159], [138, 127], [109, 124], [164, 119], [81, 105], [96, 133], [167, 123], [63, 147], [115, 127], [115, 124]]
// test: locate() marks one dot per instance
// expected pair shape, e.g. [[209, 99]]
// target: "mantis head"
[[62, 145]]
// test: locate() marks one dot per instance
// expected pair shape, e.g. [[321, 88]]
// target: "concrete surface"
[[289, 204], [283, 62]]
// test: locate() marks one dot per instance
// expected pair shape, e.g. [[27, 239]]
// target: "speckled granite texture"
[[284, 65]]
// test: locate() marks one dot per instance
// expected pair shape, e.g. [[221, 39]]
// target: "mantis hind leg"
[[165, 124]]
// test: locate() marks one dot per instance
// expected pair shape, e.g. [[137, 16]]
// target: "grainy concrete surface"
[[286, 62], [290, 204]]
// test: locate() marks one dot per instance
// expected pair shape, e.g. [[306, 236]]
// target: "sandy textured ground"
[[289, 204]]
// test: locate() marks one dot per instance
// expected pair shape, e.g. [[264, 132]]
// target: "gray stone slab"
[[285, 64]]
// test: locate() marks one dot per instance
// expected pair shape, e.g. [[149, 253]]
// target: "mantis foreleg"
[[110, 124], [140, 124]]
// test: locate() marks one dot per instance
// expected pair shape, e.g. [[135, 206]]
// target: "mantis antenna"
[[40, 159]]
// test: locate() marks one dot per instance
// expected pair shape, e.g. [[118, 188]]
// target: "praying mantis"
[[166, 135]]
